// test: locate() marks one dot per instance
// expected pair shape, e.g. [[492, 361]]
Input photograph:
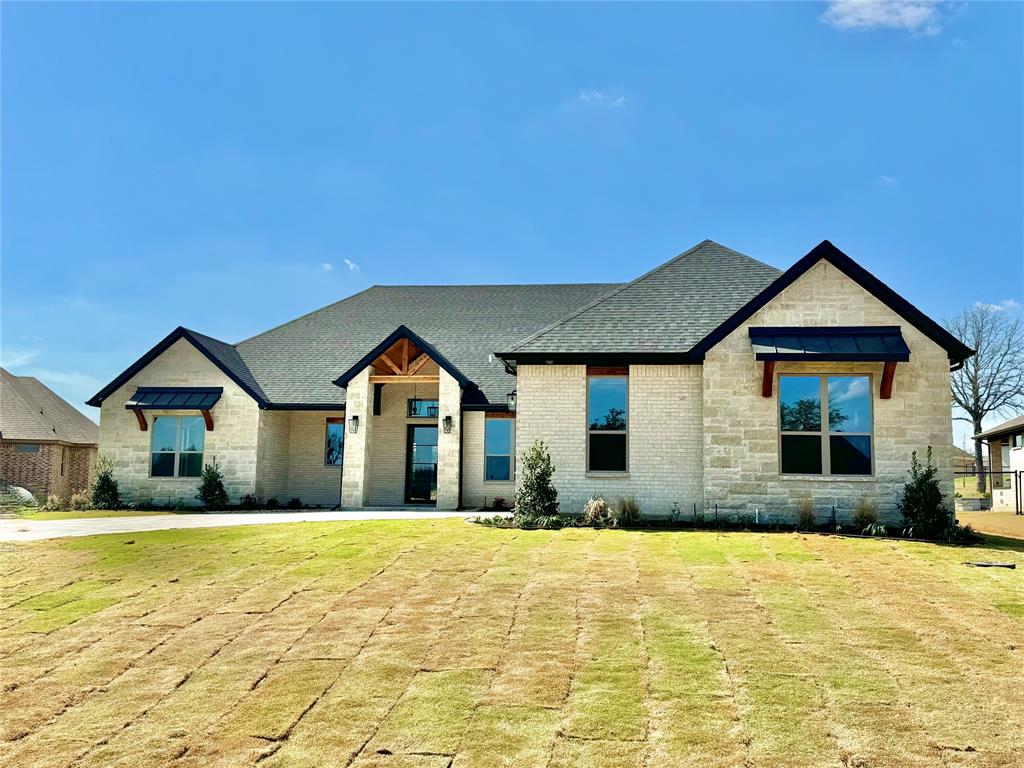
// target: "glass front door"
[[421, 465]]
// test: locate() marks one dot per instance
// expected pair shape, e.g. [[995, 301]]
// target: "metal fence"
[[1003, 487]]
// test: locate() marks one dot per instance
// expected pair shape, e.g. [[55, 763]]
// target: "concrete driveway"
[[32, 530]]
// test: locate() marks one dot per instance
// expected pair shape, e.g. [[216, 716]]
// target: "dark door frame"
[[409, 432]]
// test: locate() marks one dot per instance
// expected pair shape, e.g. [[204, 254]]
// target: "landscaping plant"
[[922, 504], [805, 515], [79, 501], [626, 513], [105, 493], [536, 494], [211, 487], [865, 515], [596, 512]]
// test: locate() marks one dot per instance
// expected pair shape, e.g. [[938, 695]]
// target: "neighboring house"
[[46, 445], [702, 383], [1006, 464]]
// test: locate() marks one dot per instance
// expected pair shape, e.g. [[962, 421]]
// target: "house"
[[46, 445], [701, 384], [1006, 464]]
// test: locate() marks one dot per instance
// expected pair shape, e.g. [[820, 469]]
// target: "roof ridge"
[[307, 314], [623, 287]]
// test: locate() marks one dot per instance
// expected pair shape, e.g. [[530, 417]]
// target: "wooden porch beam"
[[418, 363], [405, 379], [405, 356], [391, 364], [142, 419], [888, 374], [768, 379]]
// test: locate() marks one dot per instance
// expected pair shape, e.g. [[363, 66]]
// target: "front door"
[[421, 465]]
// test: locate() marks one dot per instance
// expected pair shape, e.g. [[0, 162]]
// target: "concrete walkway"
[[33, 530]]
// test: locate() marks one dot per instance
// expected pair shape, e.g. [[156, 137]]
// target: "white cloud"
[[326, 266], [886, 181], [920, 17], [352, 266], [959, 42], [16, 358], [1002, 306], [595, 97]]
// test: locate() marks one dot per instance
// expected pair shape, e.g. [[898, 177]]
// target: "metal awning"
[[841, 344], [175, 398], [200, 399]]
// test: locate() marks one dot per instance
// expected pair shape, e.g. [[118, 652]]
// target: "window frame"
[[64, 460], [177, 452], [408, 407], [511, 446], [26, 448], [825, 433], [327, 432], [589, 431]]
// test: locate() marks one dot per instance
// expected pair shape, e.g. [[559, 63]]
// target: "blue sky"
[[228, 167]]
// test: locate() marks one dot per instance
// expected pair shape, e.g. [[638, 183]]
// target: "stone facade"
[[390, 435], [290, 458], [741, 455], [55, 469], [477, 492], [449, 444], [664, 442]]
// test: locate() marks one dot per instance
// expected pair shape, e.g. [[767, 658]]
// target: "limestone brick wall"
[[273, 455], [356, 469], [477, 492], [449, 444], [665, 438], [389, 445], [741, 462], [308, 477], [233, 442]]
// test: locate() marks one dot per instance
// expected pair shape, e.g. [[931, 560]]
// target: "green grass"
[[437, 643], [967, 488], [31, 513]]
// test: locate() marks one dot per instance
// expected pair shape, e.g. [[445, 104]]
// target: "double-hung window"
[[499, 436], [825, 425], [607, 423], [177, 446], [334, 442]]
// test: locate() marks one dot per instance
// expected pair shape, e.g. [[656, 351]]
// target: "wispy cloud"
[[595, 97], [1002, 306], [327, 266], [16, 358], [352, 266], [886, 181], [919, 17]]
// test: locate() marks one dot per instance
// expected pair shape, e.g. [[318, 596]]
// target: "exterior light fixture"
[[510, 401], [447, 424], [353, 424]]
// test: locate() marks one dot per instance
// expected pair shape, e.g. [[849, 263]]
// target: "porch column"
[[449, 444], [356, 466]]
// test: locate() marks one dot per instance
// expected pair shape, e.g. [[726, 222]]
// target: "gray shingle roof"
[[1013, 425], [298, 361], [29, 410], [667, 310]]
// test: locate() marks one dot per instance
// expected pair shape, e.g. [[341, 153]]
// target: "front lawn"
[[34, 513], [438, 643]]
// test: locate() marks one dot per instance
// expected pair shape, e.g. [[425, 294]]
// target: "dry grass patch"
[[436, 643]]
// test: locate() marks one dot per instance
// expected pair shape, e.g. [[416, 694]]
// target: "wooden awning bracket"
[[143, 426], [888, 374], [768, 380], [208, 418]]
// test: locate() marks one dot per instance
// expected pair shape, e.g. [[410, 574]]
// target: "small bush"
[[273, 504], [596, 512], [922, 504], [105, 493], [295, 503], [211, 487], [805, 515], [627, 512], [500, 504], [79, 501], [536, 494], [249, 502], [52, 503], [865, 515]]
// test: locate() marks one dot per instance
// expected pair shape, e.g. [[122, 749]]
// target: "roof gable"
[[826, 251], [401, 332], [29, 410]]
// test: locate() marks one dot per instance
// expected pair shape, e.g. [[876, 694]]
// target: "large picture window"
[[825, 425], [177, 446], [499, 436], [607, 423], [334, 442]]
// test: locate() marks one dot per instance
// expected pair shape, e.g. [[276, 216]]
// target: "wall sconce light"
[[447, 425], [510, 401], [353, 424]]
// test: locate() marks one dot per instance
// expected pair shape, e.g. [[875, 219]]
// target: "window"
[[607, 422], [427, 409], [1018, 441], [499, 434], [810, 444], [334, 443], [177, 446], [26, 447], [63, 460]]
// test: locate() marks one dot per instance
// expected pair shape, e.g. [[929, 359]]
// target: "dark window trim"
[[511, 443], [327, 422], [177, 452], [624, 470]]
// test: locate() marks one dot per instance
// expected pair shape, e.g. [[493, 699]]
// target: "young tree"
[[993, 380], [537, 495]]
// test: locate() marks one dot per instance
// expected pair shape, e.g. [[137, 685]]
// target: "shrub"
[[536, 495], [105, 493], [53, 503], [805, 515], [626, 512], [295, 503], [500, 504], [596, 512], [79, 501], [865, 515], [924, 509], [273, 504], [211, 487], [875, 529], [249, 502]]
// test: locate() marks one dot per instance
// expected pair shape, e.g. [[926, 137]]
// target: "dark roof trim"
[[487, 407], [600, 358], [401, 332], [175, 398], [305, 407], [955, 349], [178, 333], [838, 343]]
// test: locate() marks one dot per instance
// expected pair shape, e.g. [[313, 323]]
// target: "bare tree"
[[993, 380]]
